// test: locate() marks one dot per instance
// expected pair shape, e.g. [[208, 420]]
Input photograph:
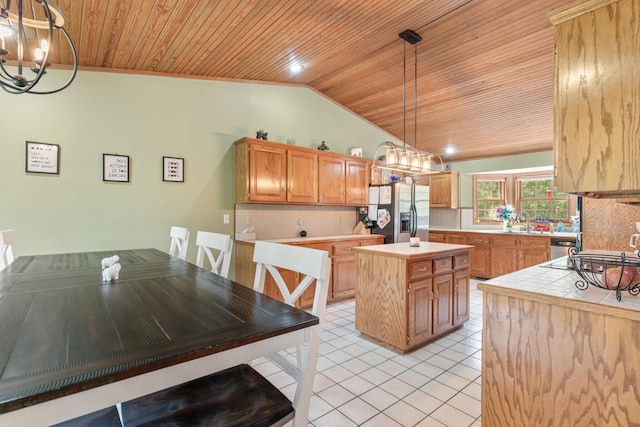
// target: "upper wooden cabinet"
[[270, 172], [332, 183], [261, 173], [443, 190], [358, 175], [302, 177], [597, 114]]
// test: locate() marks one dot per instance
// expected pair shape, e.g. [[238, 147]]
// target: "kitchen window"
[[490, 191], [537, 195]]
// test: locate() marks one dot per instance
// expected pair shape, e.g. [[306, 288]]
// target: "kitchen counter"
[[403, 250], [563, 234], [316, 239], [557, 355]]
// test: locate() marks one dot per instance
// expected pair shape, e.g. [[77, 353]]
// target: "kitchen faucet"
[[526, 217]]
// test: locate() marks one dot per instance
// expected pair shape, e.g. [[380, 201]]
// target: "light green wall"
[[469, 167], [147, 117]]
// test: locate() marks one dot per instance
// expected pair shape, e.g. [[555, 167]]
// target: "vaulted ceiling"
[[484, 76]]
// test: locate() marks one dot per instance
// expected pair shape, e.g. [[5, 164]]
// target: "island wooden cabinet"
[[557, 358], [443, 190], [597, 143], [406, 297], [269, 172], [461, 290]]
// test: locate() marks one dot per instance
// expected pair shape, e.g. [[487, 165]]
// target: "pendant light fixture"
[[43, 19], [406, 158]]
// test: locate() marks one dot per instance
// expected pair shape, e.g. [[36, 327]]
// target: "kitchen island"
[[556, 355], [408, 296]]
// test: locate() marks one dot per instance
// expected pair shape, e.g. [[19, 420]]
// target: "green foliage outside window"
[[535, 201], [489, 197]]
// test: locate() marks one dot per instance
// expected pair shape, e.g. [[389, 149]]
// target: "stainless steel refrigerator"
[[405, 215]]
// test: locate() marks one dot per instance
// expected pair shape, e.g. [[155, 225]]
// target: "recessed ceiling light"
[[450, 150], [296, 68]]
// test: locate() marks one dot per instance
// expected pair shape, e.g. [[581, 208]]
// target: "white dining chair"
[[313, 266], [6, 248], [205, 241], [179, 242]]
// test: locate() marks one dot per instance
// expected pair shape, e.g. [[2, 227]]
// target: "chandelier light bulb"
[[391, 157]]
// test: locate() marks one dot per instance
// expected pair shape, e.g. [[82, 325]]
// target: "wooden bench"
[[238, 396]]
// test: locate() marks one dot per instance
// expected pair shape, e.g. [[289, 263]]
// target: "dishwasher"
[[560, 246]]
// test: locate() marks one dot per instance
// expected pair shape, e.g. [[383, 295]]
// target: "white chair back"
[[6, 248], [313, 266], [179, 242], [205, 241]]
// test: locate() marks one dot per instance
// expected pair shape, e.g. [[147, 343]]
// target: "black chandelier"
[[43, 19]]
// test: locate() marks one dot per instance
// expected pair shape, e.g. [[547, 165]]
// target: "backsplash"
[[457, 219], [275, 221]]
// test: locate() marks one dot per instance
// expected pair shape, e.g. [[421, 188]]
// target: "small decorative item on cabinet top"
[[323, 147], [261, 135]]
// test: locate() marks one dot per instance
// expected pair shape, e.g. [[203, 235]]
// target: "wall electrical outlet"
[[225, 219], [299, 220], [249, 219]]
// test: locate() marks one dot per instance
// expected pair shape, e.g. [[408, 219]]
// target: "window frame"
[[517, 179], [506, 189]]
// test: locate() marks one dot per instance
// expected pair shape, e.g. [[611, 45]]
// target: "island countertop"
[[403, 250], [559, 287], [553, 354]]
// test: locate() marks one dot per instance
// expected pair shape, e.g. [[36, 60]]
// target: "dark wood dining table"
[[71, 344]]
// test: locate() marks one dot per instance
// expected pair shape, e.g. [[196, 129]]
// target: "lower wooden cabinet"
[[532, 251], [342, 283], [456, 239], [480, 256], [436, 237], [504, 256], [497, 254]]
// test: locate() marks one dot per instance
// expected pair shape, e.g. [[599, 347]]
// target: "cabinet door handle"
[[422, 269]]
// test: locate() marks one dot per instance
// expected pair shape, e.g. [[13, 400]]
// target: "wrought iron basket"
[[619, 271]]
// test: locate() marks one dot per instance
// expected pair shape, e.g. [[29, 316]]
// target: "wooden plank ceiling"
[[485, 67]]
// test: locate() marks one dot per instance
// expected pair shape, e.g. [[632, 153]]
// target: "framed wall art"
[[42, 158], [115, 168], [173, 169]]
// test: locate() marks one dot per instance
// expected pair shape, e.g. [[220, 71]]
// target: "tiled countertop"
[[548, 284], [500, 231]]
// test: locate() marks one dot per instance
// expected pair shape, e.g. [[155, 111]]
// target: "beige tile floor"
[[359, 383]]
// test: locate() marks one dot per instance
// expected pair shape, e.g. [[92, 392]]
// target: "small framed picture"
[[42, 158], [115, 168], [356, 152], [173, 169]]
